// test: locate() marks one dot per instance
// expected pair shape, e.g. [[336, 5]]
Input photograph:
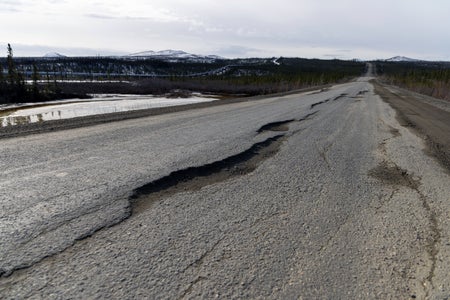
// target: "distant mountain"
[[402, 58], [173, 55], [54, 55]]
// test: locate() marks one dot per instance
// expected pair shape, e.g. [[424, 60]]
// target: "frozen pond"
[[100, 104]]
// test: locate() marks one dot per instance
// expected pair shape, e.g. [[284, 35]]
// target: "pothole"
[[276, 126], [194, 178]]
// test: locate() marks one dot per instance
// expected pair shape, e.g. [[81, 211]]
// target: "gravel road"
[[320, 194]]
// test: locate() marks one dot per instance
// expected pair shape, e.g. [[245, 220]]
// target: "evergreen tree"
[[35, 87], [12, 72], [20, 88], [13, 87], [3, 87], [2, 79]]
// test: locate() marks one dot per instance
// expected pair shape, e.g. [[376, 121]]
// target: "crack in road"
[[276, 126], [191, 286], [383, 202], [333, 236], [194, 178], [323, 152], [329, 99], [343, 95], [432, 241], [7, 270], [283, 125], [308, 116], [321, 102], [199, 261]]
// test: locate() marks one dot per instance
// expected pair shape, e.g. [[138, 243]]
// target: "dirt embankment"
[[426, 119]]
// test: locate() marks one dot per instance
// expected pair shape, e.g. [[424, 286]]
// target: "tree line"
[[12, 83], [126, 68], [245, 77], [15, 89]]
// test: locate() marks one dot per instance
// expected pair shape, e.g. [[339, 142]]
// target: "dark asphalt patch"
[[394, 175]]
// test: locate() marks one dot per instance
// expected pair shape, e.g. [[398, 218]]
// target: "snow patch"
[[53, 54], [401, 58], [173, 54], [101, 104]]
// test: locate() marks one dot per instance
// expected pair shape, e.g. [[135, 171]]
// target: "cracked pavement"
[[348, 205]]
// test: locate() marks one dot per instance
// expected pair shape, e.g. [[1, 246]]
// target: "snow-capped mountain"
[[173, 55], [401, 58], [53, 55]]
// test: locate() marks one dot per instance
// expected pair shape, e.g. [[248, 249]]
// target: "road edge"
[[58, 125]]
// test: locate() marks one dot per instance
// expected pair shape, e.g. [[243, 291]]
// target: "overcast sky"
[[231, 28]]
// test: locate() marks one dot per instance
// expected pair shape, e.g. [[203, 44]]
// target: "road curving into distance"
[[320, 194]]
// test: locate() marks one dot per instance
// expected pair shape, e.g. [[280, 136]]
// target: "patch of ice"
[[103, 104]]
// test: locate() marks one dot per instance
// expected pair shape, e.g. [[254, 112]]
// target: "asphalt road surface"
[[322, 194]]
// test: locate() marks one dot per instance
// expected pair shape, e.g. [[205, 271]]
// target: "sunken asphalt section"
[[322, 194]]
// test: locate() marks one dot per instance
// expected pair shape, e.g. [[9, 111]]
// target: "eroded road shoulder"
[[426, 119]]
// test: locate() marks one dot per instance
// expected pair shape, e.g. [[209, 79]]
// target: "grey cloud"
[[11, 6], [11, 3], [237, 51], [111, 17], [100, 16], [40, 50]]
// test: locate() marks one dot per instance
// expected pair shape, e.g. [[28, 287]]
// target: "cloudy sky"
[[231, 28]]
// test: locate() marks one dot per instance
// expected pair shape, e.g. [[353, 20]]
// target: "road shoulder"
[[428, 121]]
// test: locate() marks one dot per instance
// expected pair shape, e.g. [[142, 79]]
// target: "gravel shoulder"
[[427, 116]]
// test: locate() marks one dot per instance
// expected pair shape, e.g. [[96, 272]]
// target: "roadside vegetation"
[[15, 89], [429, 78], [47, 78]]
